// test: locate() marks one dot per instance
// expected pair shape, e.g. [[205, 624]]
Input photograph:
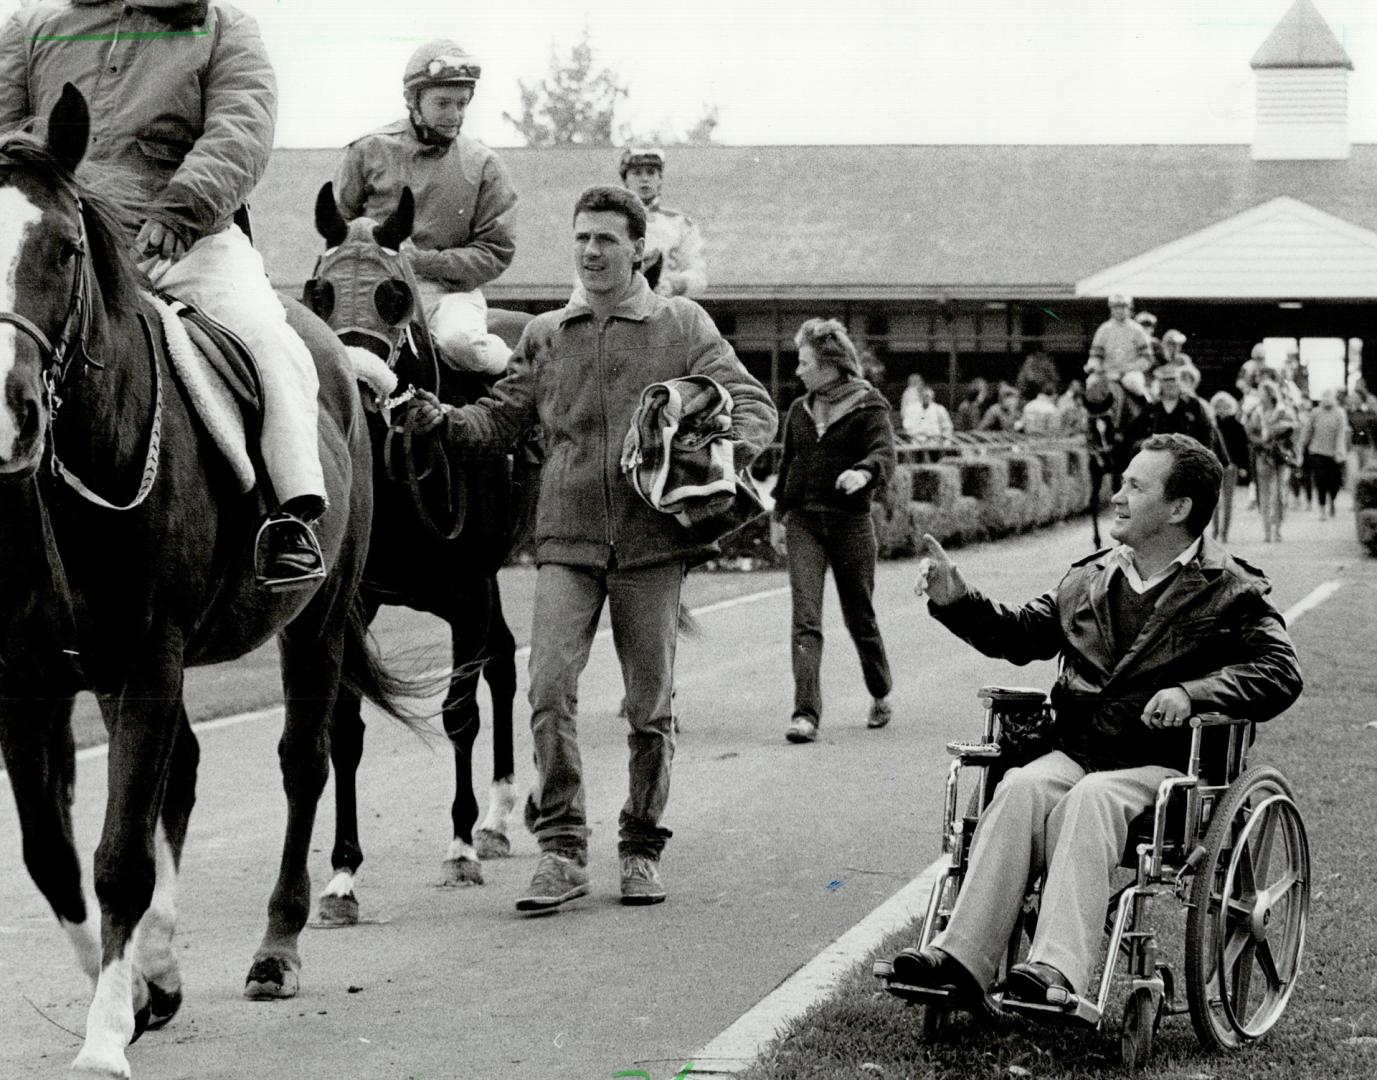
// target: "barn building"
[[960, 260]]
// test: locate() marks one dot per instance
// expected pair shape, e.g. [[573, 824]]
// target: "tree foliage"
[[576, 105]]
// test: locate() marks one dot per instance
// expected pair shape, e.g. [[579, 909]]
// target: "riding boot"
[[286, 553]]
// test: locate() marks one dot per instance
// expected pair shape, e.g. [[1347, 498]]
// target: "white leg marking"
[[17, 216], [342, 884], [459, 850], [501, 803], [153, 955], [109, 1023], [86, 945]]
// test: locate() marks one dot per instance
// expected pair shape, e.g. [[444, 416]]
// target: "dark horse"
[[440, 532], [120, 599]]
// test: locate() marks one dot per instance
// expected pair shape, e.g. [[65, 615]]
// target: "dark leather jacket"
[[1214, 633]]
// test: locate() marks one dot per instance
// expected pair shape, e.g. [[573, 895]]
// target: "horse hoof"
[[338, 910], [271, 978], [113, 1067], [143, 1020], [163, 1005], [461, 872], [492, 844]]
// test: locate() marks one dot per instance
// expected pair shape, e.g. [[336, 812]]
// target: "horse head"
[[365, 290], [44, 302]]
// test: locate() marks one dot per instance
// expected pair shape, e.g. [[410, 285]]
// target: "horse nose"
[[21, 423]]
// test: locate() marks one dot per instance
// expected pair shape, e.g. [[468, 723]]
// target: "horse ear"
[[69, 128], [397, 227], [330, 222]]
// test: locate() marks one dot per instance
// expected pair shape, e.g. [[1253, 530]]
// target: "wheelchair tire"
[[1141, 1017], [1247, 914]]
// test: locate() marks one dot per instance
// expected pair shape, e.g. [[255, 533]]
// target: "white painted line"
[[1313, 599], [738, 1046]]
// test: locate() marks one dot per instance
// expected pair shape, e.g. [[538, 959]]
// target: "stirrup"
[[261, 547]]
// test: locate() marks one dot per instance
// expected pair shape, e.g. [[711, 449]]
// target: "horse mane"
[[109, 201]]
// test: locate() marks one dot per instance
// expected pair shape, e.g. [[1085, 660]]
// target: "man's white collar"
[[1121, 558]]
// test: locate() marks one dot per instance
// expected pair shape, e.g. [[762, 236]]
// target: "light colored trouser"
[[223, 275], [644, 607], [459, 324], [1050, 817]]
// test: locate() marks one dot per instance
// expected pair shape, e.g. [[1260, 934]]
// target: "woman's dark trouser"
[[1328, 473], [817, 539]]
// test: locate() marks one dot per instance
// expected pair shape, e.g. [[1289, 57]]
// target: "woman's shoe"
[[802, 729]]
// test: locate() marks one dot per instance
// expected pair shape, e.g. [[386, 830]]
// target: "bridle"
[[76, 323], [56, 361]]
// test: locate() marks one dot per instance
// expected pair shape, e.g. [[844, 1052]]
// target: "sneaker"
[[880, 713], [802, 729], [641, 880], [557, 880]]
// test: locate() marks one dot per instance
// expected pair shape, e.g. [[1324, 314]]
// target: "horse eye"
[[67, 249]]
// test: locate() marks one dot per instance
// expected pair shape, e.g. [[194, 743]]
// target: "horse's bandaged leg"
[[109, 1022], [152, 942]]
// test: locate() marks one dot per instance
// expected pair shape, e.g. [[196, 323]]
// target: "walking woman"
[[1271, 429], [1240, 454], [838, 452]]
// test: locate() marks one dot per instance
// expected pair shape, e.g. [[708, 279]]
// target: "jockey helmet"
[[440, 63], [634, 156]]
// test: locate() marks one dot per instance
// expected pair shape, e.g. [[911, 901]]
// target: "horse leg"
[[154, 958], [144, 722], [500, 674], [338, 906], [36, 741], [462, 864], [310, 681]]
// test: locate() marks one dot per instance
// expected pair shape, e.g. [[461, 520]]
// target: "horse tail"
[[364, 673]]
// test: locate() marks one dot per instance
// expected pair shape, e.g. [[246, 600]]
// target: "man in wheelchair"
[[1164, 626]]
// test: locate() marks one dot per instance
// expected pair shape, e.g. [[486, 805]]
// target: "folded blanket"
[[679, 457]]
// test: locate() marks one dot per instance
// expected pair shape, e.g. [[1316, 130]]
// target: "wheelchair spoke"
[[1260, 858], [1267, 960]]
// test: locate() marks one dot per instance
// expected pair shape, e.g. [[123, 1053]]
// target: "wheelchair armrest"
[[1214, 719], [1019, 696], [974, 751]]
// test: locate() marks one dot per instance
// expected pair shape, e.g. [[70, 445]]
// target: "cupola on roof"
[[1302, 40]]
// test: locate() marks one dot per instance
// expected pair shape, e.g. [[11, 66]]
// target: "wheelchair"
[[1226, 840]]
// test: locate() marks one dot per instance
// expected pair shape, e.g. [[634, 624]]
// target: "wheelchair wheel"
[[1141, 1017], [1245, 930]]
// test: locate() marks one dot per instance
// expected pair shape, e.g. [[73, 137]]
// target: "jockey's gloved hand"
[[157, 240]]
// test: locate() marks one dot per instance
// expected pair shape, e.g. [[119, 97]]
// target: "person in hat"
[[183, 102], [1120, 345], [465, 203], [838, 452], [1148, 321], [674, 257]]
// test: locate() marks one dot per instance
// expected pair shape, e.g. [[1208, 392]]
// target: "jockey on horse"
[[672, 241], [465, 203], [183, 102]]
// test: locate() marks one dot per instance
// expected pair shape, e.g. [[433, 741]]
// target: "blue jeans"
[[644, 605], [817, 539]]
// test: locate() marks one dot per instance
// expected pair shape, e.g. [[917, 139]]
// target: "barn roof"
[[874, 222]]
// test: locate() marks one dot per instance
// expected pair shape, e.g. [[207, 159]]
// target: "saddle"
[[220, 377]]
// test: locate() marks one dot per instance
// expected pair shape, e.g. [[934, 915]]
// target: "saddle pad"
[[212, 399]]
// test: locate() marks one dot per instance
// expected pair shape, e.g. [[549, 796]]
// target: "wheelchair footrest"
[[1063, 1007], [926, 995]]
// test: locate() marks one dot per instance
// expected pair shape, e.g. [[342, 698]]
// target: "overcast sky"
[[803, 71]]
